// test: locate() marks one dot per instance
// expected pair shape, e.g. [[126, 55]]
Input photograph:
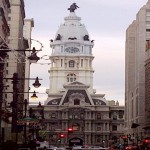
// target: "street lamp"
[[36, 84], [20, 57], [15, 100], [33, 58], [34, 95]]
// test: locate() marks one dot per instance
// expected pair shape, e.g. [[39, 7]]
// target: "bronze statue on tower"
[[73, 7]]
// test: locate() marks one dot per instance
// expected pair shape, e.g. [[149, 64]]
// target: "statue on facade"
[[58, 37], [86, 38], [73, 7]]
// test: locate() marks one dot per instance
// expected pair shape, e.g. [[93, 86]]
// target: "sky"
[[106, 22]]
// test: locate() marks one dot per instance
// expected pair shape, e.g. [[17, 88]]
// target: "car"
[[60, 148], [130, 147]]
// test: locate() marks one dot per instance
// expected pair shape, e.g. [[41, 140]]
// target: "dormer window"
[[76, 102], [71, 64]]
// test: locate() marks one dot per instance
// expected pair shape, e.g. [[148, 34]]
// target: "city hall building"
[[73, 113]]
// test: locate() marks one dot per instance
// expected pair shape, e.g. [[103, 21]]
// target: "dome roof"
[[72, 28]]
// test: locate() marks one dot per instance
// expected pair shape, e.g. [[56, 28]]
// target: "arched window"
[[76, 102], [71, 64], [71, 77]]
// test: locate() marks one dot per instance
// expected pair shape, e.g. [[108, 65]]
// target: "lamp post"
[[15, 80], [14, 104], [20, 56]]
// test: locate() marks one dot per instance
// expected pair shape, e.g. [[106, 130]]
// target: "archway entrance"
[[75, 142]]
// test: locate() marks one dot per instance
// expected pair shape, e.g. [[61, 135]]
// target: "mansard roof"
[[70, 92], [98, 102], [54, 102]]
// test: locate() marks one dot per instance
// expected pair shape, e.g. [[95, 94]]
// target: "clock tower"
[[71, 58], [72, 102]]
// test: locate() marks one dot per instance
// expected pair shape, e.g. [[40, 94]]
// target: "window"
[[98, 116], [82, 49], [90, 50], [114, 128], [70, 116], [115, 116], [76, 127], [98, 128], [76, 116], [61, 62], [98, 140], [148, 30], [71, 64], [76, 102], [53, 115], [81, 62], [81, 115], [71, 77], [62, 48], [120, 114]]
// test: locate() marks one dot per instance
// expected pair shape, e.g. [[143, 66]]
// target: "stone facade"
[[147, 72], [4, 33], [28, 25], [136, 36], [15, 61], [96, 124], [72, 102]]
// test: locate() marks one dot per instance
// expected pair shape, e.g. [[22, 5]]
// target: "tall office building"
[[4, 33], [147, 72], [136, 36]]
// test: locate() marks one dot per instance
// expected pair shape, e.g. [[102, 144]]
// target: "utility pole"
[[15, 105]]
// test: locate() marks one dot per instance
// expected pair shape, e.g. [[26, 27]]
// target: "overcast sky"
[[106, 22]]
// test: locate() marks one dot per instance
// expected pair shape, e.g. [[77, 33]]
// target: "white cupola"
[[71, 58]]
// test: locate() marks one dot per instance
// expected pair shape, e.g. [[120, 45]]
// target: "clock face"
[[72, 50]]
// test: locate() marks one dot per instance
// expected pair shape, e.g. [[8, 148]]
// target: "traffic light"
[[62, 135], [70, 130]]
